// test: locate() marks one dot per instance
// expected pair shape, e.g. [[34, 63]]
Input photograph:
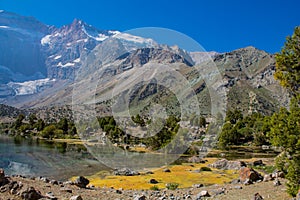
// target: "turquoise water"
[[43, 158]]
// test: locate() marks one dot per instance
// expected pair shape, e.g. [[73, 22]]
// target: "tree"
[[288, 63], [63, 125], [48, 132], [285, 125], [32, 119], [19, 121]]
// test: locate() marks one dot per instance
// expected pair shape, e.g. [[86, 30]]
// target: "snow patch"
[[133, 38], [76, 60], [66, 65], [114, 32], [100, 37], [31, 87], [46, 40], [57, 57]]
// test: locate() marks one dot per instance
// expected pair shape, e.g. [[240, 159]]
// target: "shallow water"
[[43, 158]]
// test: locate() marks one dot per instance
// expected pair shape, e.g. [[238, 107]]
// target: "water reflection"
[[45, 158]]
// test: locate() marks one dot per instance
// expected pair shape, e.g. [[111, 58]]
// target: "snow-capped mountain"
[[20, 45]]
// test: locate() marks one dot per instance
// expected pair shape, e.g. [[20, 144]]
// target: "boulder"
[[81, 182], [153, 181], [126, 172], [225, 164], [167, 170], [31, 194], [195, 159], [249, 174], [203, 193]]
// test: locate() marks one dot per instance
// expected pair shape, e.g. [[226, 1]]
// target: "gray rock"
[[81, 182], [77, 197], [228, 165], [126, 172], [51, 196], [219, 191], [203, 193], [238, 187]]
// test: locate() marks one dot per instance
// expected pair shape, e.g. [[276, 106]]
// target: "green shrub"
[[172, 186], [154, 187], [205, 169]]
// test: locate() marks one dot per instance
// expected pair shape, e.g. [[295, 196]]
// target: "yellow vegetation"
[[184, 175]]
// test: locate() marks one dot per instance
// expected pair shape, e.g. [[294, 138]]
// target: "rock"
[[203, 193], [235, 181], [219, 191], [148, 172], [257, 196], [140, 197], [195, 159], [167, 170], [126, 172], [51, 196], [81, 182], [278, 174], [118, 191], [249, 173], [3, 179], [67, 190], [53, 182], [268, 177], [153, 181], [248, 182], [3, 189], [44, 179], [238, 187], [258, 163], [277, 182], [31, 194], [228, 165], [78, 197], [198, 185]]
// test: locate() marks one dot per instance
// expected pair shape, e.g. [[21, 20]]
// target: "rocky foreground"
[[250, 185]]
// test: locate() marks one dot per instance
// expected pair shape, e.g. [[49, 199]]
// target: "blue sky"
[[217, 25]]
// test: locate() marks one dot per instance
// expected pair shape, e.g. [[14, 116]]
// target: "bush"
[[205, 169], [154, 187], [172, 186]]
